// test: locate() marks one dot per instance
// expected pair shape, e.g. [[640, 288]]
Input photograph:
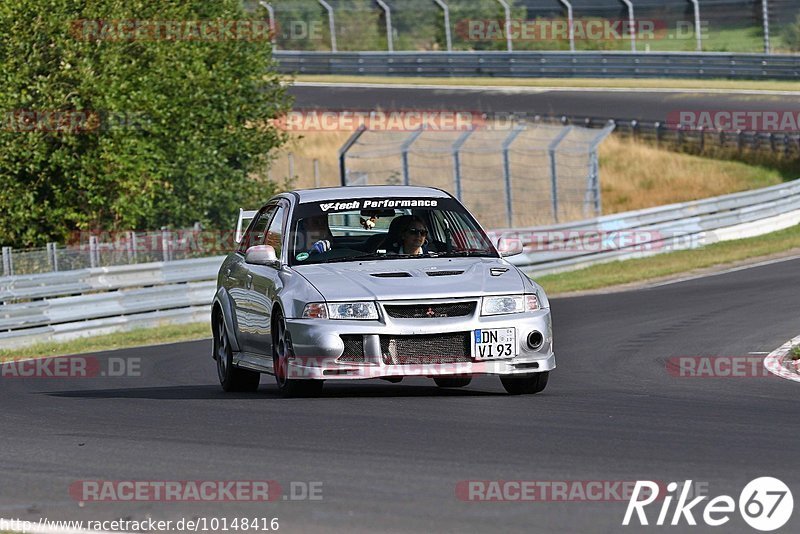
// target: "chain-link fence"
[[523, 175], [116, 248], [642, 25]]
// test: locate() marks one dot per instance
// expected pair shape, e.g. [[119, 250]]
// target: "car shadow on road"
[[213, 392]]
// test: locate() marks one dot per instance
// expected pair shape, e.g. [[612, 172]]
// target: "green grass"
[[670, 264], [120, 340], [591, 83], [796, 353]]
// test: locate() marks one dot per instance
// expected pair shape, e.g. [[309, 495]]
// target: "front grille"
[[430, 311], [425, 349], [444, 273], [353, 349]]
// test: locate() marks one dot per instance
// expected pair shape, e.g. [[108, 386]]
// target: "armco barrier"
[[525, 64], [64, 305]]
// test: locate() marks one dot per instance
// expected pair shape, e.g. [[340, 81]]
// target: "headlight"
[[352, 310], [509, 304]]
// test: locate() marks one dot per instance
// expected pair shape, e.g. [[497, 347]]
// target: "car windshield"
[[384, 229]]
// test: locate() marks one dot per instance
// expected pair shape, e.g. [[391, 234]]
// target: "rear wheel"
[[230, 377], [281, 351], [526, 384], [452, 381]]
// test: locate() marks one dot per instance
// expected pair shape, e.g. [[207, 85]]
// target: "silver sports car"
[[383, 282]]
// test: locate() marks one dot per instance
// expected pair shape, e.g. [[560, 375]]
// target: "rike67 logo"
[[765, 504]]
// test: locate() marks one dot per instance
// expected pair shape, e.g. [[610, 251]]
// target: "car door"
[[240, 277], [267, 284]]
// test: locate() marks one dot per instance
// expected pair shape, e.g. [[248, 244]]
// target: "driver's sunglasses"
[[418, 231]]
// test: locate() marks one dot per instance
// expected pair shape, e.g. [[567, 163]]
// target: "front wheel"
[[526, 384], [281, 350], [230, 378]]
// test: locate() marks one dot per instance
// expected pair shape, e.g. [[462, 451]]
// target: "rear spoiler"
[[244, 215]]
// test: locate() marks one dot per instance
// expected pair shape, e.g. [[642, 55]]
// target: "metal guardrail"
[[58, 306], [544, 64], [656, 230]]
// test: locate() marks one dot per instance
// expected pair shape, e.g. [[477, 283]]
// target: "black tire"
[[281, 349], [231, 378], [526, 384], [452, 381]]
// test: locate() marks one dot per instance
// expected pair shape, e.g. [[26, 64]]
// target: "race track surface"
[[390, 455], [624, 105]]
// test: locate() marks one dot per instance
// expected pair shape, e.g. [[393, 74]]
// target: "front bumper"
[[317, 346]]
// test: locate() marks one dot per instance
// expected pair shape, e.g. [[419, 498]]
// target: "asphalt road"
[[626, 105], [389, 456]]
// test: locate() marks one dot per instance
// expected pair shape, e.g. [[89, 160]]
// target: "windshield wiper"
[[467, 253], [381, 256]]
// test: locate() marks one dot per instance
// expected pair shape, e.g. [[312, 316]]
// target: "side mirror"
[[261, 255], [509, 246]]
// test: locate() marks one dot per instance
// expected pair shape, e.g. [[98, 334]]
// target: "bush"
[[183, 124], [791, 35]]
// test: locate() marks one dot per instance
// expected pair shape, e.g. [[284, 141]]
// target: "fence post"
[[389, 36], [271, 11], [316, 173], [571, 22], [507, 173], [554, 168], [131, 246], [447, 34], [345, 149], [165, 245], [765, 16], [331, 23], [632, 22], [290, 157], [507, 11], [657, 126], [702, 139], [404, 152], [698, 28], [52, 256], [457, 160], [93, 252], [8, 262]]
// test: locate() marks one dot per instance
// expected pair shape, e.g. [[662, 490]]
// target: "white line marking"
[[719, 273], [523, 89], [774, 362]]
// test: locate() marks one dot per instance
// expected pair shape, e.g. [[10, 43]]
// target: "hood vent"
[[391, 275], [443, 273]]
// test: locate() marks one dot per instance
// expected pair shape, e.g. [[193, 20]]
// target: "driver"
[[414, 237]]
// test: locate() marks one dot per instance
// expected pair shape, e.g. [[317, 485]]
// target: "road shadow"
[[270, 391]]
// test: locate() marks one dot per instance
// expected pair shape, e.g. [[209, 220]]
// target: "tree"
[[107, 129]]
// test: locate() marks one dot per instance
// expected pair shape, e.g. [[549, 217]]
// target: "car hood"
[[413, 278]]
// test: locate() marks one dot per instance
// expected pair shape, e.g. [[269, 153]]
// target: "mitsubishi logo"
[[430, 313]]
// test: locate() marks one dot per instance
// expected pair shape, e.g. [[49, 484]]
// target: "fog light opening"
[[535, 340]]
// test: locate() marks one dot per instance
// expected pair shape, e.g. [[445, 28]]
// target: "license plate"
[[494, 344]]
